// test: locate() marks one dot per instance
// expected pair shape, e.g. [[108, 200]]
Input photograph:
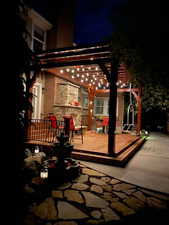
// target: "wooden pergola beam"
[[76, 49], [83, 52], [74, 63], [105, 70], [120, 90], [91, 95]]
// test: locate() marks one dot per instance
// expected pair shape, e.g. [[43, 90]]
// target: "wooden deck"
[[98, 142], [95, 146]]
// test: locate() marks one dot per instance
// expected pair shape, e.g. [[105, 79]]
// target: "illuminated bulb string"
[[98, 83]]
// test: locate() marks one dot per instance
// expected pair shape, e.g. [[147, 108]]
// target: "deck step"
[[120, 160]]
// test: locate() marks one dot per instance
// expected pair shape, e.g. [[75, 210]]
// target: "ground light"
[[144, 134], [44, 173]]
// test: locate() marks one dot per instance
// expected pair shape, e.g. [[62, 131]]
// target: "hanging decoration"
[[91, 76]]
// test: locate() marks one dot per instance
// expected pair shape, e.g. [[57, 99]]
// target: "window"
[[85, 101], [38, 39], [99, 106], [36, 100]]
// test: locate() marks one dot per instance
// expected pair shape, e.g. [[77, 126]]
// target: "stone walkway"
[[93, 198]]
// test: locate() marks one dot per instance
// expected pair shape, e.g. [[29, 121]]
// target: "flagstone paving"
[[92, 198]]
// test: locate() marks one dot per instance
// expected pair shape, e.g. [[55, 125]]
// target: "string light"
[[96, 78]]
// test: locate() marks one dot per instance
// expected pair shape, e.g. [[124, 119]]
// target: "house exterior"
[[37, 27], [51, 92]]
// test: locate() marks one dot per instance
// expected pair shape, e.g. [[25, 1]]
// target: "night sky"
[[93, 20], [92, 17]]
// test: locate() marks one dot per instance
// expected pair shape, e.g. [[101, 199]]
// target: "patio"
[[94, 146], [98, 142]]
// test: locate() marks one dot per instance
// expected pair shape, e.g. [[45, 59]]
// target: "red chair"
[[105, 124], [71, 129], [53, 121]]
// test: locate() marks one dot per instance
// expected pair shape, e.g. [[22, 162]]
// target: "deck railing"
[[44, 130]]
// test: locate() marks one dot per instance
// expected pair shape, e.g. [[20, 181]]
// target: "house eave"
[[40, 21]]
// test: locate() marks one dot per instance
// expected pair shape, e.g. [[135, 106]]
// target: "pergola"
[[93, 67]]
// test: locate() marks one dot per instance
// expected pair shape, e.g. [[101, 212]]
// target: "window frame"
[[102, 106], [105, 107], [43, 42]]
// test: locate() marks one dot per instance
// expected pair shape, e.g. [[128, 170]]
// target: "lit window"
[[99, 105]]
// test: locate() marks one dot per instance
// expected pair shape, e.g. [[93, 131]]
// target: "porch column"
[[91, 94], [112, 107]]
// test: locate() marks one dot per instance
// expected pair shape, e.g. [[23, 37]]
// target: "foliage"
[[156, 96], [25, 76], [140, 41]]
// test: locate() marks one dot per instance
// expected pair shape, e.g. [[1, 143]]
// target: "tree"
[[141, 41], [24, 78]]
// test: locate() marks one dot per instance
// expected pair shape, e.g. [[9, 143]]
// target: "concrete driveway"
[[149, 168]]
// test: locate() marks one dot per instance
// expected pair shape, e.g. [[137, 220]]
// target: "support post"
[[91, 94], [112, 107]]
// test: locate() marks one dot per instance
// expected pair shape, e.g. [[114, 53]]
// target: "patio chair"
[[76, 131], [53, 120], [105, 124]]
